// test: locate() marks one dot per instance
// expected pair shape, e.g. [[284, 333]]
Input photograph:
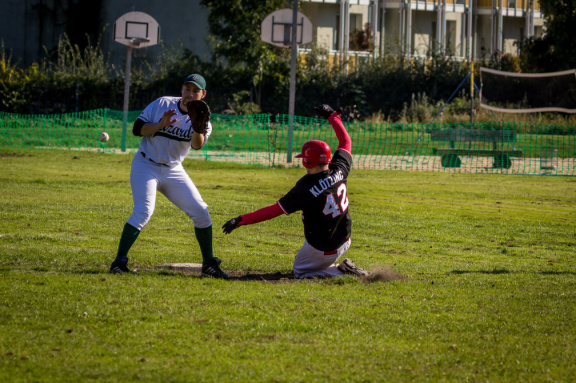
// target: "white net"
[[510, 92]]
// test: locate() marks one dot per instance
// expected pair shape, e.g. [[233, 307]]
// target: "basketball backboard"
[[136, 29], [277, 28]]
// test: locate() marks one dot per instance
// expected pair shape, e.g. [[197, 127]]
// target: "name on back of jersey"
[[325, 183]]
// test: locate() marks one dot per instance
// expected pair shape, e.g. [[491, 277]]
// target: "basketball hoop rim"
[[136, 41]]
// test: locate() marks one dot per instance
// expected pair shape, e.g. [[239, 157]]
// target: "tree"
[[362, 40], [235, 29], [554, 51]]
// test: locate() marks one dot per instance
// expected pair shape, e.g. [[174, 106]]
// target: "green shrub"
[[389, 88]]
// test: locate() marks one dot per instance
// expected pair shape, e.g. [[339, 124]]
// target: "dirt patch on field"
[[194, 269], [379, 274], [385, 274]]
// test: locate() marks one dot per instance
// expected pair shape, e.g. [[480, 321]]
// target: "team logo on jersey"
[[175, 133]]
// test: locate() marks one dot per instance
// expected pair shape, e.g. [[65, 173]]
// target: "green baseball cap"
[[197, 80]]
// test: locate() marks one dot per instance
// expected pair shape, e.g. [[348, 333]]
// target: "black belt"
[[151, 160]]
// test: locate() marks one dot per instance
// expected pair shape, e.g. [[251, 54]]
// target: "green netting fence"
[[482, 147]]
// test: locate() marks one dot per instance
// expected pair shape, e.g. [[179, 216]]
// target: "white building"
[[409, 27], [464, 29]]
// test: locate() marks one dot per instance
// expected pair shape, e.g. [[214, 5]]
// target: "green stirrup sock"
[[129, 235], [204, 237]]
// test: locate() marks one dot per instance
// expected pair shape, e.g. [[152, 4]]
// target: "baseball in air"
[[103, 137]]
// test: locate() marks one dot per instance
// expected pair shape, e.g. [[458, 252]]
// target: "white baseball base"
[[188, 267]]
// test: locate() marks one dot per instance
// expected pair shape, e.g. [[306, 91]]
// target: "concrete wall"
[[513, 34], [27, 27], [392, 31], [324, 18], [422, 32], [25, 32]]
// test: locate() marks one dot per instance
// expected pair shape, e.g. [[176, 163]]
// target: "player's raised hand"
[[231, 225], [166, 119], [324, 110]]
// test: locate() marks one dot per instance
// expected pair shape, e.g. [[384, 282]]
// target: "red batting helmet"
[[314, 153]]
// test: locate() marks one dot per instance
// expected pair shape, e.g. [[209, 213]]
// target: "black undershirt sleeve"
[[137, 128]]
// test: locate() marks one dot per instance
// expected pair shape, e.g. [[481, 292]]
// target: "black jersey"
[[323, 199]]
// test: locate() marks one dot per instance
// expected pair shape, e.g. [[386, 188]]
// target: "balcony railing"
[[518, 4]]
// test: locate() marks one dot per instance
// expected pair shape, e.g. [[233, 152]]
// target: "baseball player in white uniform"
[[167, 136]]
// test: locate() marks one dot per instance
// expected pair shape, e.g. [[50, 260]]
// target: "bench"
[[496, 137]]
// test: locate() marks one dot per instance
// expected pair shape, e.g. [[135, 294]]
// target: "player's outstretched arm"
[[260, 215], [344, 141], [149, 128]]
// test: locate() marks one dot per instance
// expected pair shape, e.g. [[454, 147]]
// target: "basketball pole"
[[287, 20], [126, 95], [292, 96], [135, 30]]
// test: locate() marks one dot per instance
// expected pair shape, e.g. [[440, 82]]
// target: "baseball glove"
[[325, 110], [199, 113]]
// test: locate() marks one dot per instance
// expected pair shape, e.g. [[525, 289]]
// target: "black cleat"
[[119, 268], [348, 267], [212, 269]]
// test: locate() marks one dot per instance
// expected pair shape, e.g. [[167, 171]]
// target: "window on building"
[[355, 22], [356, 28]]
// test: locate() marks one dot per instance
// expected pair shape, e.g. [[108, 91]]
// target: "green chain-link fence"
[[483, 147]]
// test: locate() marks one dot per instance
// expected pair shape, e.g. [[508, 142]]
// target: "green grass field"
[[489, 289]]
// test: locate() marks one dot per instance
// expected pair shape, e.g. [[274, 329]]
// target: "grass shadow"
[[504, 271], [266, 277], [494, 271], [551, 272]]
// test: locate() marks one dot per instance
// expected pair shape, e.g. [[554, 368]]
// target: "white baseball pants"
[[147, 177], [311, 262]]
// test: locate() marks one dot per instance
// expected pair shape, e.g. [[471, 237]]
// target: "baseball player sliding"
[[322, 197], [169, 127]]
